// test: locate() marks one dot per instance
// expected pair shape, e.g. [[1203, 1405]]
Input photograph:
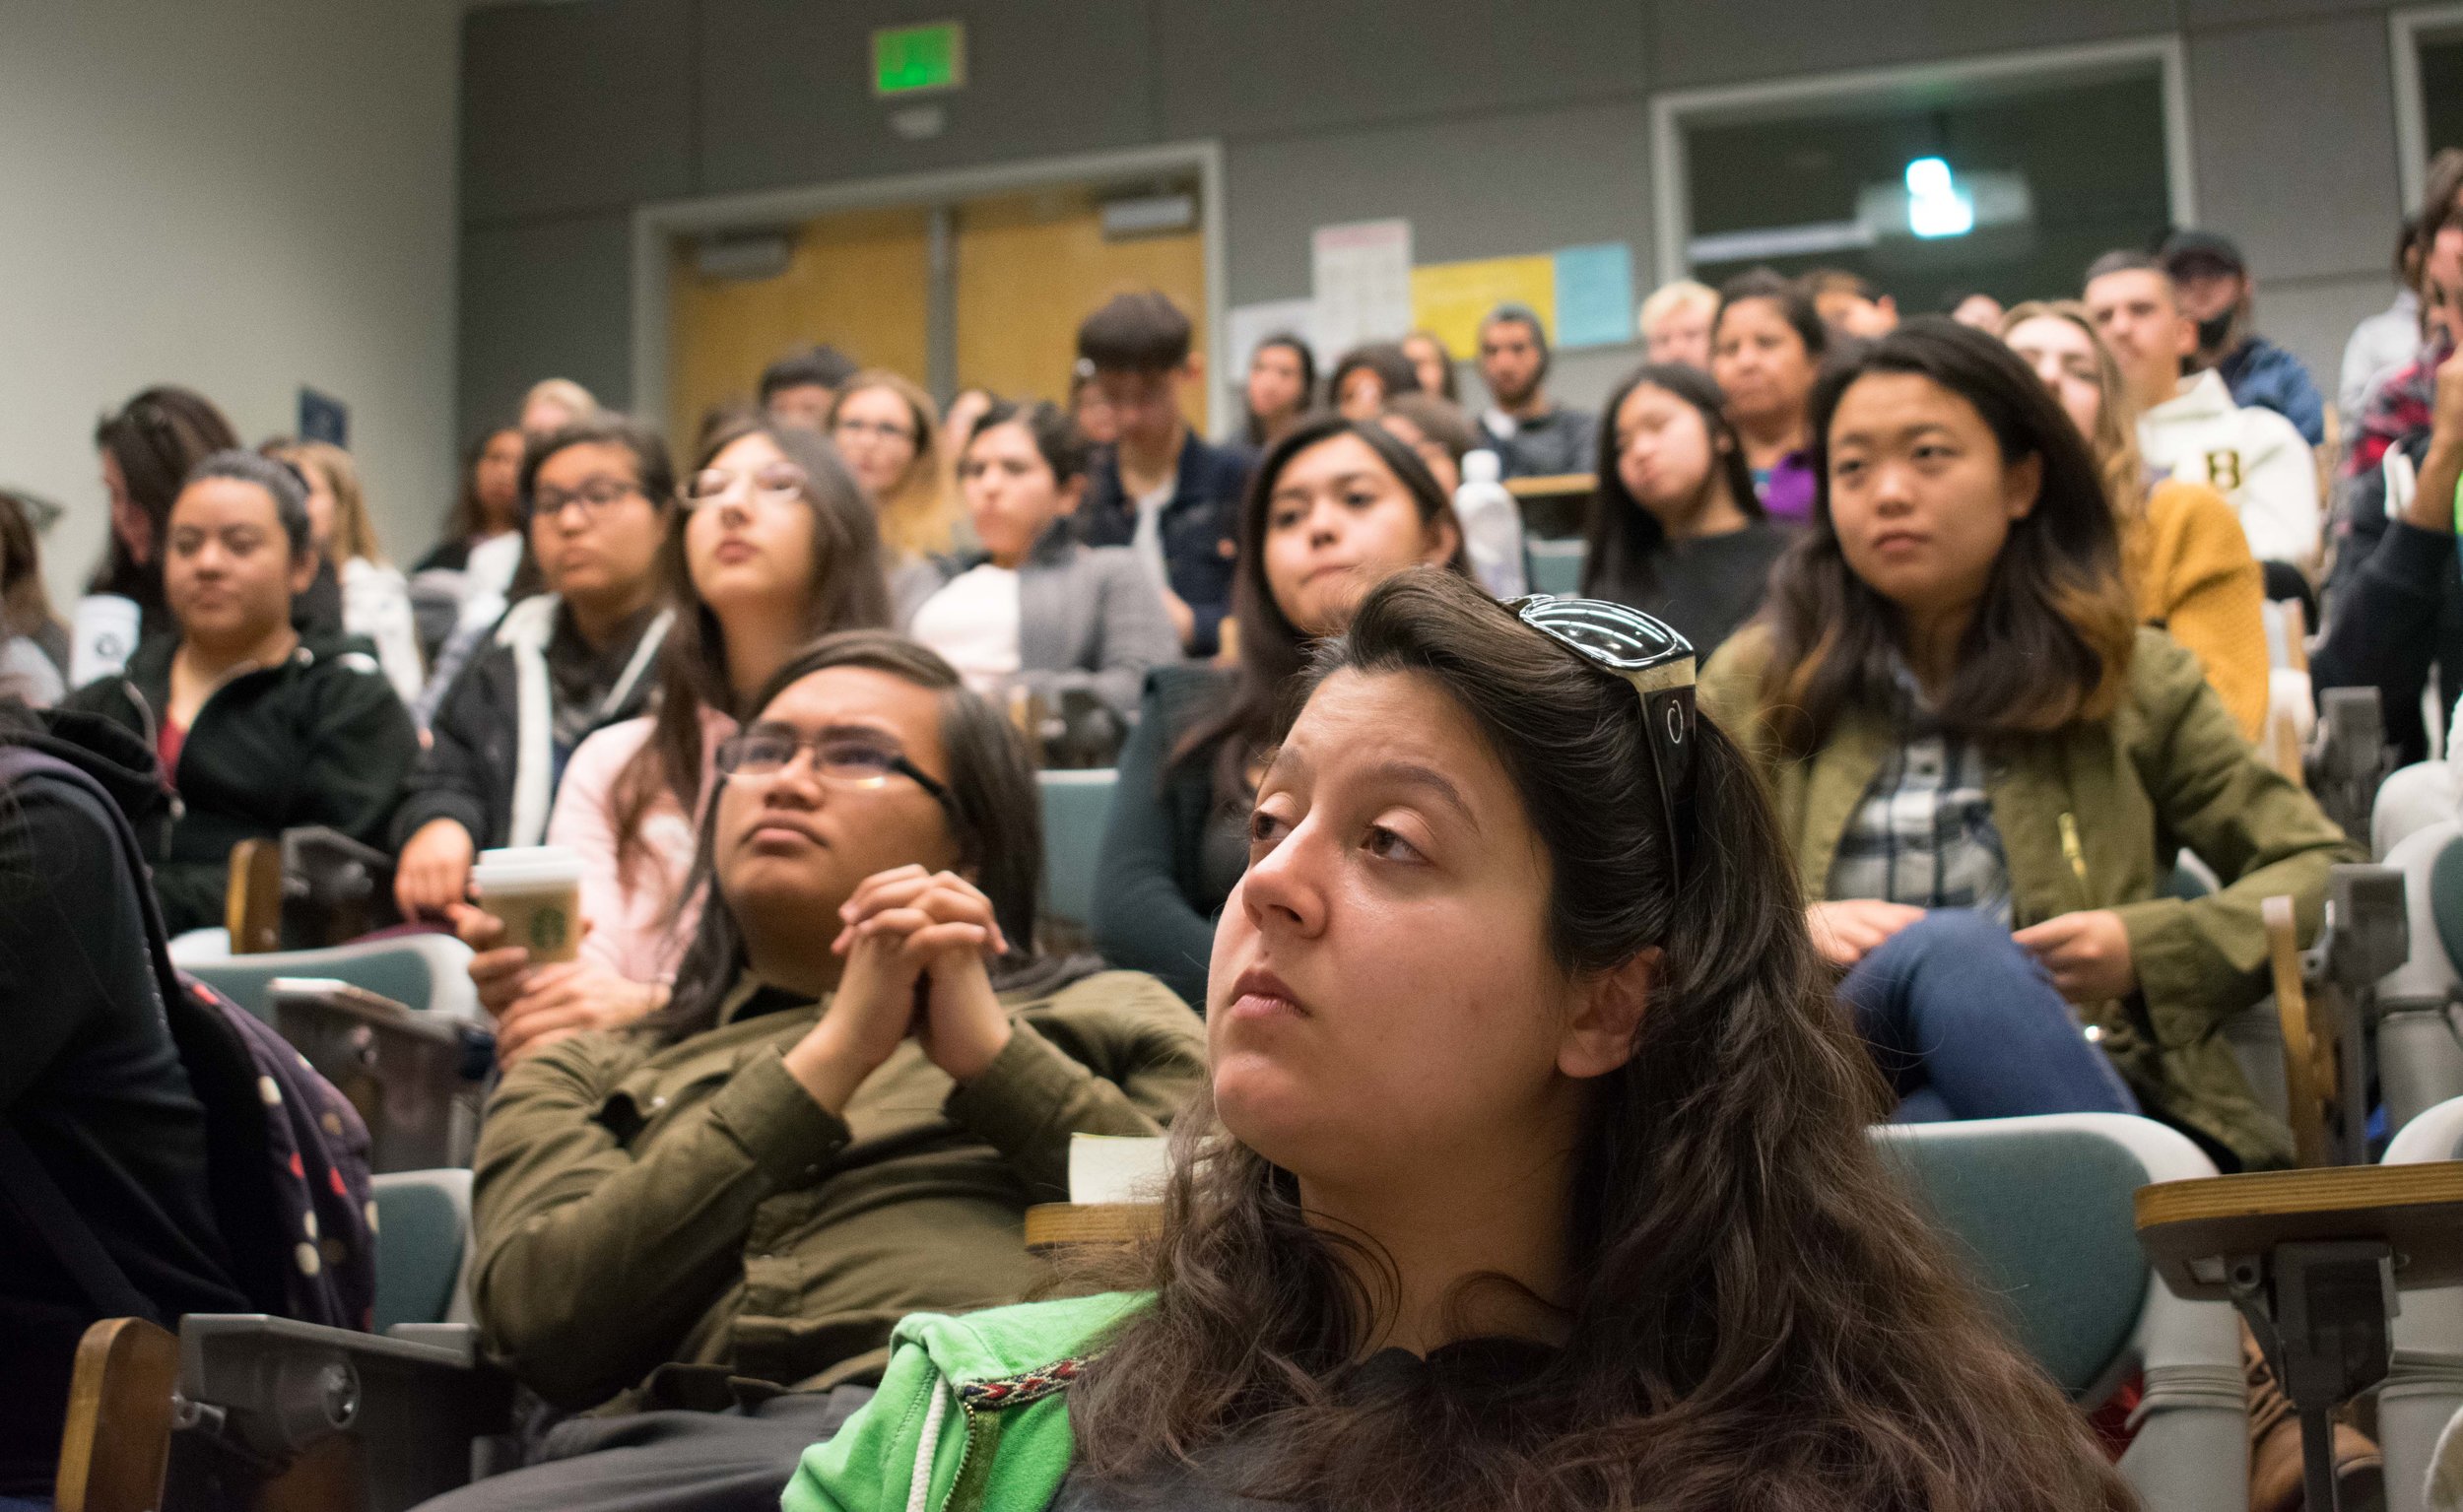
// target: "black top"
[[1477, 1375], [1172, 853], [90, 1079], [1703, 587], [320, 738], [2394, 609]]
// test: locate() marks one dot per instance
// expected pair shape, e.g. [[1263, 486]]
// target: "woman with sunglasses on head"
[[1530, 1173], [2182, 547], [1336, 508], [773, 546], [864, 1079], [1677, 530], [563, 662], [1984, 767]]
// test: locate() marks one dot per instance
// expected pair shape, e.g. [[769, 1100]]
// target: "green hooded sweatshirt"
[[976, 1408]]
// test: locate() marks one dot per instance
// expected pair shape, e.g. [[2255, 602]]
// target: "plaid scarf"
[[2401, 406]]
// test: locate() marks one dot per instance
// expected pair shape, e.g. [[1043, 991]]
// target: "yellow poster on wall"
[[1450, 298]]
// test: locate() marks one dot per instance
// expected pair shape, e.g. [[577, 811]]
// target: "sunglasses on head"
[[1656, 660]]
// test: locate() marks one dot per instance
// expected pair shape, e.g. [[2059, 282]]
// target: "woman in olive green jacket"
[[1948, 693], [862, 1082]]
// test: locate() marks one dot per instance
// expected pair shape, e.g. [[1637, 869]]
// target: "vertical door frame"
[[658, 227], [2403, 47], [1669, 114]]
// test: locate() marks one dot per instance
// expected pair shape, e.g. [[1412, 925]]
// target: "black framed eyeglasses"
[[1647, 653], [838, 757]]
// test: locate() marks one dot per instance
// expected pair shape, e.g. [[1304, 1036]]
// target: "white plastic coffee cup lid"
[[523, 868]]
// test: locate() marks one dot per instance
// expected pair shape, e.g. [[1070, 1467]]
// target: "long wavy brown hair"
[[1755, 1315], [2050, 641]]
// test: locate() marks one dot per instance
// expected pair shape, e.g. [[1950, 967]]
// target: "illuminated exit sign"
[[907, 60]]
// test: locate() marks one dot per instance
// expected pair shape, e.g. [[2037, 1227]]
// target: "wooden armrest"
[[252, 900], [120, 1418], [2308, 1052]]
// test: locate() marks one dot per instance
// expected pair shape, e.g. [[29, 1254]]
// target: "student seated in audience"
[[865, 1078], [375, 597], [2381, 344], [1675, 529], [1532, 435], [2217, 292], [1851, 304], [1282, 381], [2193, 431], [1434, 364], [259, 730], [34, 645], [1437, 431], [1037, 609], [553, 404], [774, 545], [1974, 307], [558, 665], [148, 448], [1159, 489], [1335, 508], [1766, 344], [799, 389], [887, 430], [2182, 549], [1530, 1171], [92, 1089], [1367, 376], [1982, 764], [1675, 324], [483, 536]]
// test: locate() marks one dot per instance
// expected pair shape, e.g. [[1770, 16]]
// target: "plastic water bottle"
[[1491, 526]]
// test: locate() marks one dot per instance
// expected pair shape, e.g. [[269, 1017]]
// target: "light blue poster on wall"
[[1595, 295]]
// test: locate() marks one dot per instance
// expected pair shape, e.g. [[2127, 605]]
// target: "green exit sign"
[[909, 59]]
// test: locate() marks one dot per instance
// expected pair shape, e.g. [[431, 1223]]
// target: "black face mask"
[[2210, 333]]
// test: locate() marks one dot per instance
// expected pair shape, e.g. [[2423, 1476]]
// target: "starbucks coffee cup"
[[535, 890]]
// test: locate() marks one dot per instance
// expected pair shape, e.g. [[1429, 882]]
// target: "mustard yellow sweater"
[[2195, 577]]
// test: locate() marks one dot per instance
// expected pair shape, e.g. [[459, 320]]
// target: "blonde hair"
[[565, 393], [918, 517], [1667, 297], [2116, 442], [355, 533]]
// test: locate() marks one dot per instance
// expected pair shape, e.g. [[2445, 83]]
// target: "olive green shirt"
[[2092, 817], [640, 1207]]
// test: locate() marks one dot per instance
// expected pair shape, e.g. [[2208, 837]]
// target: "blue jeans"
[[1966, 1025]]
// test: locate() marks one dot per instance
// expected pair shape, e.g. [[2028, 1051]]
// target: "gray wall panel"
[[2236, 13], [1729, 42], [1488, 188], [787, 96], [2314, 317], [576, 106], [1271, 67], [545, 298], [2293, 132]]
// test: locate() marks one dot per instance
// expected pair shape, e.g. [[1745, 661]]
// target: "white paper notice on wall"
[[1362, 275]]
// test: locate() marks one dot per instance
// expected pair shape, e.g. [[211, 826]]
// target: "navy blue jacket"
[[2263, 375], [1200, 526]]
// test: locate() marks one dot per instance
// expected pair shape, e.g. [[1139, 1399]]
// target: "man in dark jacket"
[[95, 1110], [2218, 293], [1159, 489], [259, 730], [1532, 435]]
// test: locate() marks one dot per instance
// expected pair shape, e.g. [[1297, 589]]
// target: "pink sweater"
[[630, 930]]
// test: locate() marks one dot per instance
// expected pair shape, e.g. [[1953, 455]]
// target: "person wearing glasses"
[[579, 655], [864, 1078], [1984, 767], [1336, 508], [257, 728], [1036, 608], [884, 425], [773, 546], [1530, 1171]]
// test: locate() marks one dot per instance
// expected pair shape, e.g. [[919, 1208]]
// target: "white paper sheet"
[[1113, 1168], [1361, 278]]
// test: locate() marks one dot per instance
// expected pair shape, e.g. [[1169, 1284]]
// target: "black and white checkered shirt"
[[1923, 833]]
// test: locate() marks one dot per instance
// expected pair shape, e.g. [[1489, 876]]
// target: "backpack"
[[286, 1153]]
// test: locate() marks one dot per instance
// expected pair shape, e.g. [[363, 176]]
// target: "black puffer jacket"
[[320, 739]]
